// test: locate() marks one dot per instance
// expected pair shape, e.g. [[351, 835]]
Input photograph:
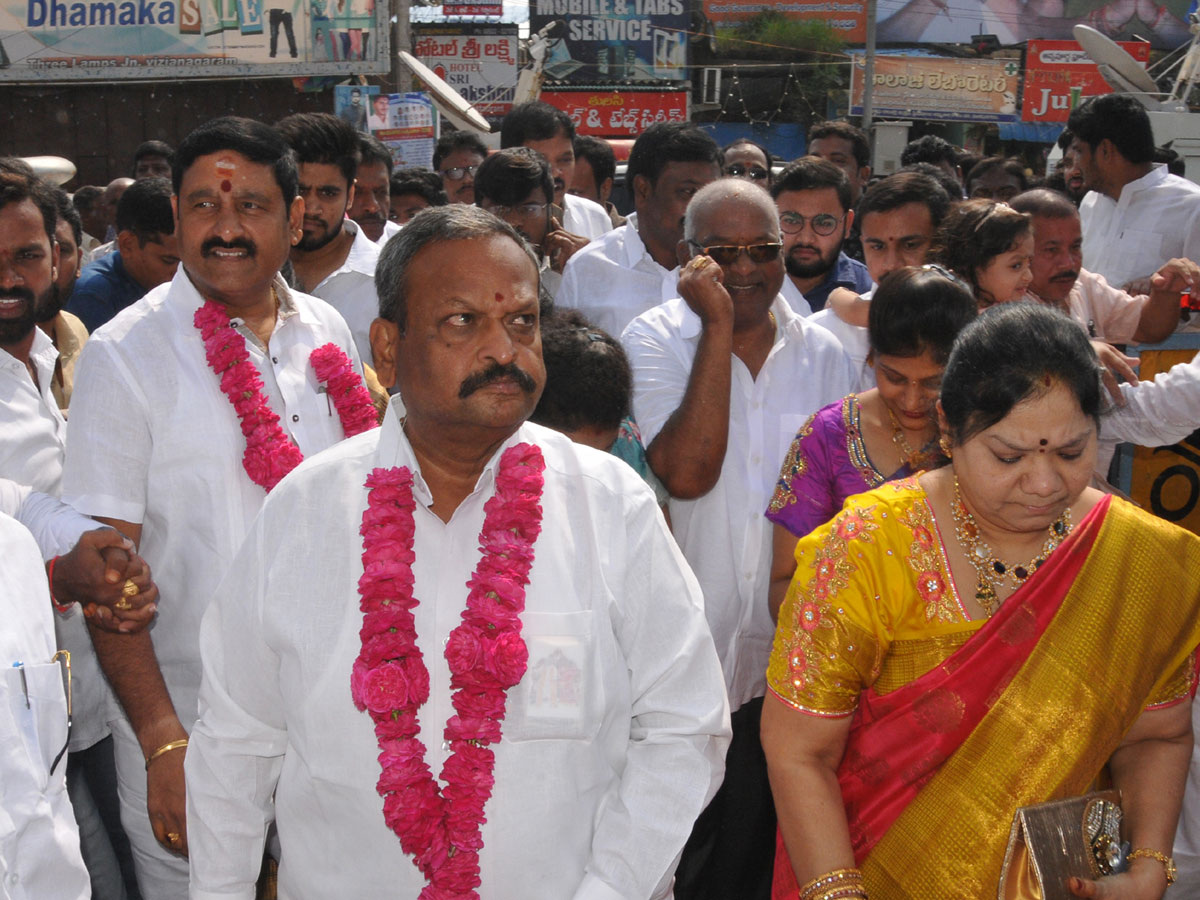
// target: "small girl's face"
[[1005, 277]]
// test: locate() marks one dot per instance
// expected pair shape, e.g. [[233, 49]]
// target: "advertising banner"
[[478, 61], [847, 18], [1015, 21], [614, 40], [608, 113], [403, 122], [75, 40], [926, 87], [1058, 74]]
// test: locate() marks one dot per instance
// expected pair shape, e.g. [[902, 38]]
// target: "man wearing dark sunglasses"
[[724, 377], [455, 158], [815, 216], [746, 159]]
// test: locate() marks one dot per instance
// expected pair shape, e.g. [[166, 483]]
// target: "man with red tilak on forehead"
[[190, 406], [459, 656]]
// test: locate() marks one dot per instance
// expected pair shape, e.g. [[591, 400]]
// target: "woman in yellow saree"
[[983, 637]]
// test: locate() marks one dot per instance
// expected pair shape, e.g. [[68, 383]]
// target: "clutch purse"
[[1051, 842]]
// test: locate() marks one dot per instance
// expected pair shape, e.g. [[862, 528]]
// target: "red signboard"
[[619, 113], [1058, 74], [460, 8]]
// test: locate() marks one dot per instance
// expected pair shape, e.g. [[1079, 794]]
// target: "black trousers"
[[277, 16], [731, 852]]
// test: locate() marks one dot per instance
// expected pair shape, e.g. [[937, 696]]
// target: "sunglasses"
[[754, 173], [458, 173], [823, 224], [524, 210], [727, 254]]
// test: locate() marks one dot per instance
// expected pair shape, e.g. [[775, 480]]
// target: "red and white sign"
[[478, 61], [619, 113], [1059, 74], [460, 8]]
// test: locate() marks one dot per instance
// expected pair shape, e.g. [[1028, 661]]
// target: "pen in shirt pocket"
[[24, 683]]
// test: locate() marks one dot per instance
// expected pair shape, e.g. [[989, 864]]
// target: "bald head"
[[715, 201]]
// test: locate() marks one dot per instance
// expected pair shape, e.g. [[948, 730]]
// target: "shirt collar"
[[364, 252], [394, 450], [184, 294], [787, 321]]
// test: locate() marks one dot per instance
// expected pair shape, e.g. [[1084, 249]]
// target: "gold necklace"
[[916, 459], [991, 571]]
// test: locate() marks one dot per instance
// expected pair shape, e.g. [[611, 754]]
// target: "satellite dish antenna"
[[54, 169], [450, 103], [1119, 69]]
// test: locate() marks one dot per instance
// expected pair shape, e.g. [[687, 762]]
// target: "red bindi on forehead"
[[499, 297], [226, 186]]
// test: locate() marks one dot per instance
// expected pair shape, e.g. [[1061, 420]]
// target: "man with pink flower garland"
[[459, 656], [189, 406]]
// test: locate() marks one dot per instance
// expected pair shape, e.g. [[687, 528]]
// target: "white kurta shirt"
[[1107, 313], [585, 217], [613, 741], [33, 439], [153, 440], [1157, 218], [350, 289], [33, 432], [614, 280], [795, 298], [724, 534], [39, 842]]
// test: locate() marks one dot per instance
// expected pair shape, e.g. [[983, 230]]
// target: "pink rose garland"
[[270, 453], [440, 827]]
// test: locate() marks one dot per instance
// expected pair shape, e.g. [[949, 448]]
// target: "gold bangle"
[[165, 748], [817, 888], [1147, 853]]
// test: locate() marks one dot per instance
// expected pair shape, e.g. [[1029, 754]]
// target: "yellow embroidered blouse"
[[873, 603]]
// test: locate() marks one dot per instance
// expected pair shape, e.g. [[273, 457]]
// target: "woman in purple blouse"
[[882, 434]]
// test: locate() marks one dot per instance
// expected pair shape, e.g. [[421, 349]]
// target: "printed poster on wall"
[[75, 40], [614, 40], [1163, 24]]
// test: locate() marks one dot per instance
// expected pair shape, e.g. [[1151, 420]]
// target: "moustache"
[[212, 244], [1065, 275], [809, 247], [372, 217], [494, 373]]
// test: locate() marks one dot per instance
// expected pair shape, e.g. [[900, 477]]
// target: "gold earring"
[[944, 443]]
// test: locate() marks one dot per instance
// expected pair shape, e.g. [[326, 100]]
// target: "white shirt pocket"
[[37, 732], [561, 696]]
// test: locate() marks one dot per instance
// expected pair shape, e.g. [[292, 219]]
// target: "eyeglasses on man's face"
[[823, 224], [727, 254], [458, 173], [754, 173]]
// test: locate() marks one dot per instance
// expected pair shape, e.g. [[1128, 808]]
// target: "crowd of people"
[[755, 542]]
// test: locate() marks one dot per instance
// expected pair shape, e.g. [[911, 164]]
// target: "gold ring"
[[129, 589], [122, 604], [172, 837]]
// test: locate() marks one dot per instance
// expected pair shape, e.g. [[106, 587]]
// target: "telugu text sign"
[[619, 114], [925, 87], [478, 61], [847, 18], [76, 40], [1053, 68], [614, 40]]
